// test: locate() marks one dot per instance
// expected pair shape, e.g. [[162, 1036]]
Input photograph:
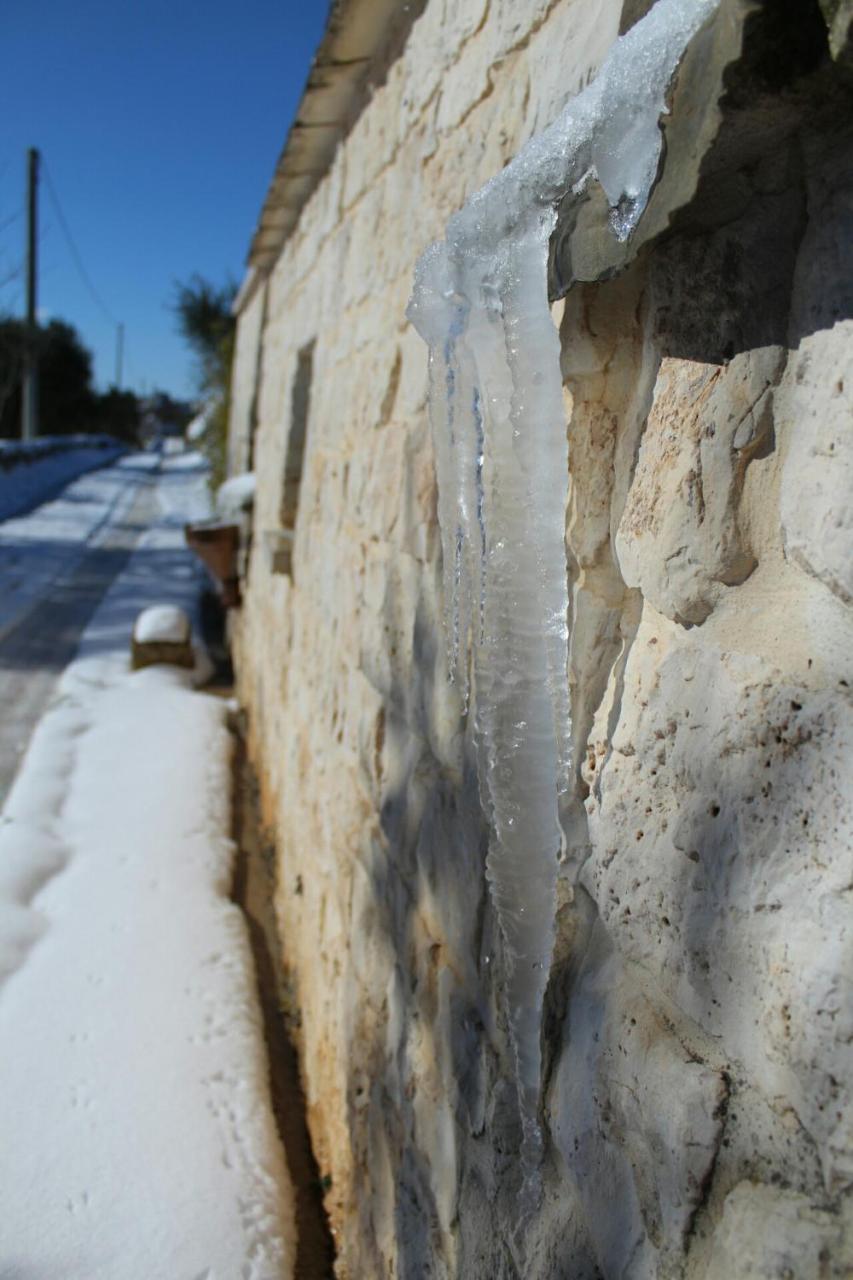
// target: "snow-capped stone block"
[[236, 495], [162, 633]]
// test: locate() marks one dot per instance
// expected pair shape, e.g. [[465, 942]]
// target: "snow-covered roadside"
[[31, 470], [138, 1137]]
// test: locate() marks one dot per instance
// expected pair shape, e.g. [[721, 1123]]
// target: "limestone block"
[[403, 189], [391, 589], [679, 539], [636, 1118], [376, 500], [721, 861], [330, 198], [609, 374], [817, 481], [462, 21], [511, 24], [466, 158], [416, 527], [248, 339], [466, 83], [365, 229], [428, 53], [476, 34], [374, 392], [767, 1233], [565, 52], [371, 142], [413, 374]]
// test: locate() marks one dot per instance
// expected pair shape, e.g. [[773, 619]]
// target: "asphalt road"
[[42, 636]]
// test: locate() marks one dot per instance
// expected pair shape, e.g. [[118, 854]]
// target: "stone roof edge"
[[361, 41]]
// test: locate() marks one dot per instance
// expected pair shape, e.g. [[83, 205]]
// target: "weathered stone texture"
[[698, 1091], [246, 380], [817, 520]]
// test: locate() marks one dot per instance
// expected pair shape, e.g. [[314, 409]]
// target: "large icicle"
[[481, 303]]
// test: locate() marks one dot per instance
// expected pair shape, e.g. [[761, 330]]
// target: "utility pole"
[[119, 353], [29, 398]]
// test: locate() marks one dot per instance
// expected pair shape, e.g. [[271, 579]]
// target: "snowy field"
[[138, 1137]]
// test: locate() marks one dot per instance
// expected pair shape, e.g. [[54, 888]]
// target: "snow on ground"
[[32, 470], [138, 1137]]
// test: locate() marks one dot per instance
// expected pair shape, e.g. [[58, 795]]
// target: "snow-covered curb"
[[138, 1136]]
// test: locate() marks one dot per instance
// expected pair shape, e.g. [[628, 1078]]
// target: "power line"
[[84, 275], [8, 275], [11, 219], [78, 261]]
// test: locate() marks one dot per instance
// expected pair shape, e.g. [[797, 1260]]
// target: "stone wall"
[[697, 1101], [246, 380]]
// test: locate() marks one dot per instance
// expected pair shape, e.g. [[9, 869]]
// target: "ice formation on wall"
[[481, 303]]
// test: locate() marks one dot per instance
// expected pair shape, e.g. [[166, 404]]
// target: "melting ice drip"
[[499, 429]]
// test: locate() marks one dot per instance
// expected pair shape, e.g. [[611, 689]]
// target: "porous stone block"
[[817, 482]]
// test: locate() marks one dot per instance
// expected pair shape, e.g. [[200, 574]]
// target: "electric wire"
[[8, 275], [75, 253], [11, 219]]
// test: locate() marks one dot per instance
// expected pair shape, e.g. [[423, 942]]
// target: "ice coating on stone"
[[481, 303]]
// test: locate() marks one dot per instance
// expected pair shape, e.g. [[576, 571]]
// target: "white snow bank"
[[162, 624], [236, 495], [138, 1137], [30, 471]]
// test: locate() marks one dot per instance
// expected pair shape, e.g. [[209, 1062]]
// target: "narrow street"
[[56, 564]]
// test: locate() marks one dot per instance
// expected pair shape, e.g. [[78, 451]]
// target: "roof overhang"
[[361, 41]]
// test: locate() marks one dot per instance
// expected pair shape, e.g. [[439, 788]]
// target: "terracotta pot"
[[217, 545]]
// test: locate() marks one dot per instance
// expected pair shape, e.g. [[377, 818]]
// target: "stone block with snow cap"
[[162, 633]]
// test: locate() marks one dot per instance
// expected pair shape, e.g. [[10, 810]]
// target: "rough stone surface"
[[679, 540], [771, 1234], [698, 1083], [246, 378], [817, 519]]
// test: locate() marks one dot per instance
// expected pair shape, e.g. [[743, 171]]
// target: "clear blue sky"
[[161, 122]]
